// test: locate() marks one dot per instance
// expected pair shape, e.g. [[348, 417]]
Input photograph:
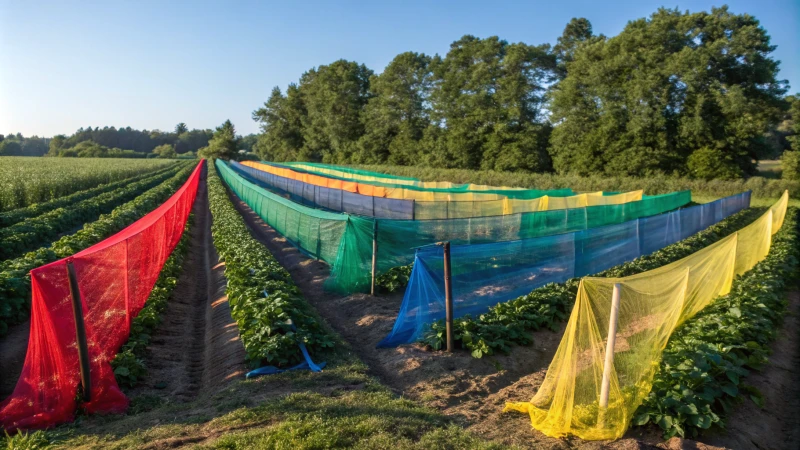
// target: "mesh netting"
[[577, 397], [115, 278], [345, 241], [366, 175], [484, 275], [340, 200], [390, 189]]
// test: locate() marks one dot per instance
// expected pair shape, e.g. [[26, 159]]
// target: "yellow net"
[[359, 175], [475, 204], [597, 379]]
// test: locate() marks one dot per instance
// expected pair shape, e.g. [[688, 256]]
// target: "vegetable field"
[[209, 317], [24, 182]]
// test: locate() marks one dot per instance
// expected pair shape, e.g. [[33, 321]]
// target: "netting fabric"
[[582, 395], [389, 189], [345, 241], [484, 275], [115, 278], [341, 200]]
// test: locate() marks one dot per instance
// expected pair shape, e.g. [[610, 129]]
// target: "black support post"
[[374, 254], [80, 332], [448, 295]]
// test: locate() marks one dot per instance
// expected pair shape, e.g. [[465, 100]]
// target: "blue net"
[[484, 275]]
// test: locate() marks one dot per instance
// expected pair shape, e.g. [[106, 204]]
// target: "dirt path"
[[13, 348], [474, 391], [197, 344]]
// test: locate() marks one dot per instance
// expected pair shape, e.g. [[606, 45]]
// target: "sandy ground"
[[474, 391]]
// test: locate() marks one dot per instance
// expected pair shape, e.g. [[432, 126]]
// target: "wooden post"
[[448, 296], [374, 254], [612, 337], [80, 332]]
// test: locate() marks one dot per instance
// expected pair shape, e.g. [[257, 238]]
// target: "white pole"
[[612, 337]]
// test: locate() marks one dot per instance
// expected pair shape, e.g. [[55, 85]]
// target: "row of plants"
[[25, 181], [761, 187], [8, 218], [702, 370], [15, 283], [129, 366], [272, 315], [37, 231], [511, 322]]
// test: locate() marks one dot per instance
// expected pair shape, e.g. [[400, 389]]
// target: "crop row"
[[15, 284], [25, 181], [511, 322], [271, 313], [13, 216], [32, 233], [702, 368], [129, 366]]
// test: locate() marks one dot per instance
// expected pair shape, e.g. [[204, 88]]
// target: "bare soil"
[[474, 391], [196, 346], [13, 348]]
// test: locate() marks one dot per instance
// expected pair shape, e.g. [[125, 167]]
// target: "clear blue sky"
[[152, 64]]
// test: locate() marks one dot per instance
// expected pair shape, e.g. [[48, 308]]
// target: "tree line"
[[676, 93], [111, 142]]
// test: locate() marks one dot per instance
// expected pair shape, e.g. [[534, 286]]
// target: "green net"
[[345, 241]]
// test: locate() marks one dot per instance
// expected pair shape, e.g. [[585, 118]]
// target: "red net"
[[115, 278]]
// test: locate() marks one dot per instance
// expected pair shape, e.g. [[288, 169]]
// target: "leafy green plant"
[[15, 284], [271, 313], [394, 279], [128, 364], [510, 322], [702, 368]]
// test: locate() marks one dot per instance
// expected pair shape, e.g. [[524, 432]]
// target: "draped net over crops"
[[400, 191], [652, 305], [341, 200], [115, 278], [345, 241], [484, 275]]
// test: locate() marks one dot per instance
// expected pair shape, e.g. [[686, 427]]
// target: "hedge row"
[[511, 322], [128, 364], [761, 187], [701, 371], [264, 301], [15, 283], [36, 231], [13, 216]]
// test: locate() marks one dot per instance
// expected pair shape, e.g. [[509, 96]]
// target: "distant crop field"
[[25, 181]]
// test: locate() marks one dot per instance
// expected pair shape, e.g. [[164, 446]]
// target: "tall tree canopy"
[[223, 144], [672, 93]]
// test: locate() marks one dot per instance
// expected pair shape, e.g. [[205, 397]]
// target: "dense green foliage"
[[34, 232], [264, 301], [18, 145], [17, 215], [702, 368], [790, 165], [23, 183], [684, 93], [128, 364], [223, 144], [15, 283], [141, 141], [90, 149], [761, 187], [511, 322]]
